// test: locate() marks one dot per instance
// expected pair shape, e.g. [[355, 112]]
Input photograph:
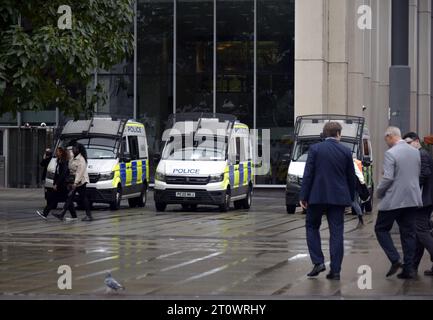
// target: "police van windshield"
[[97, 148], [300, 153], [205, 149]]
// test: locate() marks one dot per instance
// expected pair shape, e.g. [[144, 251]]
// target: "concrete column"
[[413, 63], [368, 68], [381, 63], [424, 67], [356, 52], [311, 56], [338, 57]]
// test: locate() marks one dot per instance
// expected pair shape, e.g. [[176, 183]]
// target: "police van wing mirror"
[[126, 157], [157, 157]]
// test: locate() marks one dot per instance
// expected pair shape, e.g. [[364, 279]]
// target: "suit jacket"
[[329, 176], [399, 187], [426, 178]]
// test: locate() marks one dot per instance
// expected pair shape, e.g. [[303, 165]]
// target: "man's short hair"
[[393, 132], [412, 136], [332, 129]]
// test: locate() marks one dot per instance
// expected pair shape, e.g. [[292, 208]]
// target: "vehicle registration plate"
[[185, 194]]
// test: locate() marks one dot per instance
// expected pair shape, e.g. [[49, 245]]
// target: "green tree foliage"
[[42, 66]]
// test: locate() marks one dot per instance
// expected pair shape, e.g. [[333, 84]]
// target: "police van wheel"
[[246, 203], [226, 205], [291, 209], [238, 204], [160, 206], [115, 205], [139, 201]]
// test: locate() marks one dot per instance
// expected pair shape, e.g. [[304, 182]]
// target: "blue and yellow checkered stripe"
[[240, 174], [131, 173]]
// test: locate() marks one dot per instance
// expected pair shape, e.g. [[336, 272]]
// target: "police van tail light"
[[216, 178], [106, 176], [160, 176]]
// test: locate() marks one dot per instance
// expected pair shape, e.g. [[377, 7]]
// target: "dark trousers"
[[335, 216], [53, 199], [82, 198], [424, 236], [405, 218]]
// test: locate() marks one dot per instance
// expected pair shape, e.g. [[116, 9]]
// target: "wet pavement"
[[256, 254]]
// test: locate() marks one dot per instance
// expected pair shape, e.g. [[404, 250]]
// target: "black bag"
[[363, 192]]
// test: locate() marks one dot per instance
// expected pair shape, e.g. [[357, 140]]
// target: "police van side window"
[[133, 147], [142, 147], [232, 152]]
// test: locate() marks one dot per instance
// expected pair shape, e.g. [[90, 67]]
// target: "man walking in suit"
[[328, 188], [424, 236], [400, 196]]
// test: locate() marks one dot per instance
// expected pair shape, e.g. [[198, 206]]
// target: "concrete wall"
[[340, 68]]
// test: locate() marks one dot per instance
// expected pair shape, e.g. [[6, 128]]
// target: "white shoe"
[[40, 214], [71, 219]]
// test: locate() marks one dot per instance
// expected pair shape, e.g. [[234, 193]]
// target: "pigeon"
[[112, 284]]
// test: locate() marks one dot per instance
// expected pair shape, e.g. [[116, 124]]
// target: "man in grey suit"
[[400, 196]]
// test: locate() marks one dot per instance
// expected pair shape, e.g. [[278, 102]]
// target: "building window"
[[275, 82], [235, 58], [194, 61], [154, 68]]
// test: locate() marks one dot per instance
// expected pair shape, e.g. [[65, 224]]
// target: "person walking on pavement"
[[356, 205], [424, 235], [60, 190], [399, 194], [44, 164], [328, 188], [78, 168]]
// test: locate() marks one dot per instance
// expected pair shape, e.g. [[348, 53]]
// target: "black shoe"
[[406, 275], [394, 268], [58, 216], [429, 273], [318, 268], [87, 218], [333, 276]]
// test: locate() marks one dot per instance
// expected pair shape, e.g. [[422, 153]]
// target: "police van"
[[308, 131], [118, 163], [206, 160]]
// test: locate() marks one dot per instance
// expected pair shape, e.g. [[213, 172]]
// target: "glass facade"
[[226, 56]]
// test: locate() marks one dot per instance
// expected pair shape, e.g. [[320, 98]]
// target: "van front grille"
[[187, 180]]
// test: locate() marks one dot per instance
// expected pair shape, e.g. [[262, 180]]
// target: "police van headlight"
[[50, 175], [216, 178], [159, 176], [291, 178], [106, 176]]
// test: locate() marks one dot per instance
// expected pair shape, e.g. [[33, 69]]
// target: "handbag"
[[363, 192]]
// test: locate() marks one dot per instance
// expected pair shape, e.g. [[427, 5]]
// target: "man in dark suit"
[[424, 237], [328, 188]]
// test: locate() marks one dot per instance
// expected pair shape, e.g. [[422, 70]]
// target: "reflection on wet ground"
[[257, 254]]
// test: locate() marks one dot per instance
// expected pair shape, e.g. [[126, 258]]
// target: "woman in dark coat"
[[60, 191]]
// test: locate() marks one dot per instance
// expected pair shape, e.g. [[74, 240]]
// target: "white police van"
[[118, 163], [207, 159], [308, 131]]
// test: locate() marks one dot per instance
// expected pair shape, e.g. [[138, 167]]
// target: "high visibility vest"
[[358, 163]]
